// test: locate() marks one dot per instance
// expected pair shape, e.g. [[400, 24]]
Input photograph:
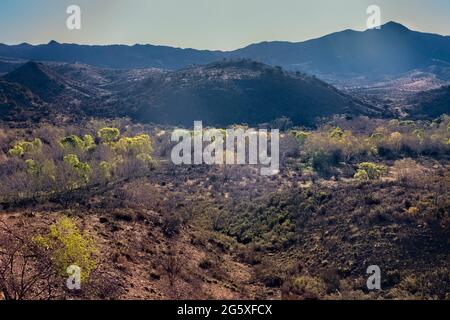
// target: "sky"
[[207, 24]]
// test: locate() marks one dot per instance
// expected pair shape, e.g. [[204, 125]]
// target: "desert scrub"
[[73, 143], [369, 171], [69, 246], [84, 170], [21, 148], [108, 134], [306, 287]]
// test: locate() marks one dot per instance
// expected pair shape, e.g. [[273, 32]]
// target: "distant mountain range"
[[393, 49], [220, 93]]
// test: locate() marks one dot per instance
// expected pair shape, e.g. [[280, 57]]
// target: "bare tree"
[[26, 272]]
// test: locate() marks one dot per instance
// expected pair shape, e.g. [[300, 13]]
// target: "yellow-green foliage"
[[21, 148], [377, 136], [69, 246], [89, 142], [395, 139], [140, 144], [145, 158], [106, 169], [369, 171], [338, 142], [419, 133], [301, 136], [74, 142], [43, 169], [83, 169], [109, 134], [337, 133]]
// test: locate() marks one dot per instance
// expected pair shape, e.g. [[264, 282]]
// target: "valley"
[[87, 176]]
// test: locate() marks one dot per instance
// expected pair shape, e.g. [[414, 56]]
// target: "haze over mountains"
[[393, 49]]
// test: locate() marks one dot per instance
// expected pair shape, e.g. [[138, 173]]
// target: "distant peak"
[[53, 42], [30, 67], [392, 25], [31, 64]]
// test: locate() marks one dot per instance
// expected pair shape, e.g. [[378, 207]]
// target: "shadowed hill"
[[432, 103], [236, 91], [39, 79]]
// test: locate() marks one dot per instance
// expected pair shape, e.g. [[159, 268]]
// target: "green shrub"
[[299, 135], [69, 246], [140, 144], [109, 134], [369, 171], [74, 142], [23, 147], [83, 169]]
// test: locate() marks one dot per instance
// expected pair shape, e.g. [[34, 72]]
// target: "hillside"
[[236, 91], [18, 103], [222, 93], [39, 79], [165, 231], [431, 103]]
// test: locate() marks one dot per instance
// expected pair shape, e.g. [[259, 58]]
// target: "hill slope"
[[432, 103], [236, 91], [18, 103], [220, 93]]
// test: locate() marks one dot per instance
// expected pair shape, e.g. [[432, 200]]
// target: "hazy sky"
[[207, 24]]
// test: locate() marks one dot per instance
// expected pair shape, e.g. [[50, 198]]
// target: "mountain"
[[391, 50], [219, 93], [235, 91], [431, 103], [38, 79], [112, 56]]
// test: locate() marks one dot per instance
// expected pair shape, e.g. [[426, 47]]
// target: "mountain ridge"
[[392, 49]]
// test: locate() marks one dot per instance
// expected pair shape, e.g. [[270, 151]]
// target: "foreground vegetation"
[[351, 193]]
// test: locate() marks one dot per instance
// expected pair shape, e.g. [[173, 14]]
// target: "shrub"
[[140, 144], [369, 171], [299, 135], [337, 133], [69, 246], [82, 169], [106, 170], [74, 142], [306, 287], [23, 147], [109, 134]]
